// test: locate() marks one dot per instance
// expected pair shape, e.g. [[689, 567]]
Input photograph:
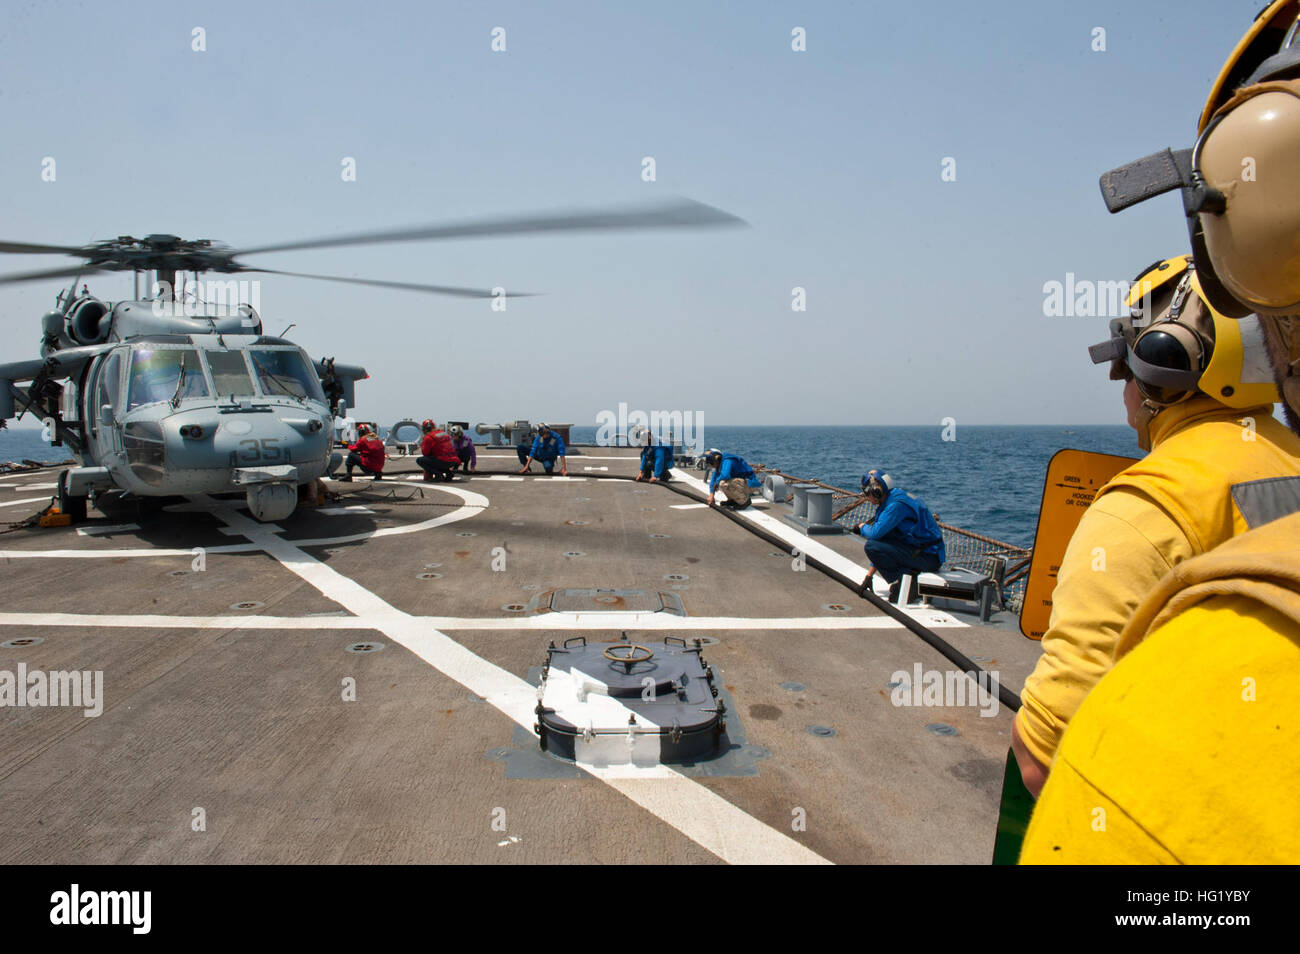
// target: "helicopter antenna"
[[286, 330], [65, 299]]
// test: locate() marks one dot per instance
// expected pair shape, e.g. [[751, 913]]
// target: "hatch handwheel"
[[631, 658]]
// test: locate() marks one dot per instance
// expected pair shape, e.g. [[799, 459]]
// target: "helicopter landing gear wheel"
[[71, 504]]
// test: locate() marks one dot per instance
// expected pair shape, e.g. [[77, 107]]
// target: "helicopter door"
[[105, 392]]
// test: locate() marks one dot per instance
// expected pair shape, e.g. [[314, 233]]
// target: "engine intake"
[[88, 321]]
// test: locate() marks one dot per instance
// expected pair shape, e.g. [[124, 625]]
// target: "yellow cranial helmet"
[[1241, 192], [1175, 344], [1263, 39], [1238, 373], [1241, 183]]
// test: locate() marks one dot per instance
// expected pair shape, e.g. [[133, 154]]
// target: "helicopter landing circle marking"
[[474, 504]]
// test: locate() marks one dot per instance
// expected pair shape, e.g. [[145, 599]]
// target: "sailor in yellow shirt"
[[1196, 489], [1186, 751]]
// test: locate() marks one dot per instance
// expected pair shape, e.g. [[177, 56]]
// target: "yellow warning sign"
[[1073, 479]]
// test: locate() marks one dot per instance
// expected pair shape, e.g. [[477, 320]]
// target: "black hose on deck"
[[931, 638]]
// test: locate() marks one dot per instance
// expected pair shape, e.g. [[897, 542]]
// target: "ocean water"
[[989, 479]]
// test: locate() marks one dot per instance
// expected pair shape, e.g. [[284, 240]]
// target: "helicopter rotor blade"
[[452, 290], [70, 271], [27, 248], [682, 213]]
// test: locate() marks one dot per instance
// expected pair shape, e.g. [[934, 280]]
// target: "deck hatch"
[[606, 600]]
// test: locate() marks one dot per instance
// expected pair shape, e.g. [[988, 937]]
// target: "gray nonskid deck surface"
[[224, 688]]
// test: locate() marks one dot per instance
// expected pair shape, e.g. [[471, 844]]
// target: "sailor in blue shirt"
[[548, 447], [656, 461], [733, 474], [903, 536]]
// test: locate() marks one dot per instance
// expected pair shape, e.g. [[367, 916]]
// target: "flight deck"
[[358, 682]]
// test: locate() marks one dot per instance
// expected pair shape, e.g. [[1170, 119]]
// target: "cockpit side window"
[[284, 372], [230, 373], [107, 386], [164, 374]]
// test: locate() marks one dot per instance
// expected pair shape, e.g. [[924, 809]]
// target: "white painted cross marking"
[[698, 813]]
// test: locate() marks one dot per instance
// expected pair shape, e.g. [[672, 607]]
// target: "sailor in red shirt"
[[439, 453], [367, 453]]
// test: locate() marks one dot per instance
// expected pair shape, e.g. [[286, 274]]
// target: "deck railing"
[[1007, 563]]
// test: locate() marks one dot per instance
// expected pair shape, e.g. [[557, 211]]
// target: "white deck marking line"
[[712, 822], [703, 506], [342, 511], [7, 482], [105, 531], [25, 500], [813, 548], [581, 457], [41, 486], [551, 621], [669, 623]]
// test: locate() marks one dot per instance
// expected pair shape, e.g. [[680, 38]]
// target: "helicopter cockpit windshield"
[[161, 372], [164, 374], [230, 374], [284, 372]]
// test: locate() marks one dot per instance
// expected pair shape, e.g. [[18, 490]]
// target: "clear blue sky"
[[924, 297]]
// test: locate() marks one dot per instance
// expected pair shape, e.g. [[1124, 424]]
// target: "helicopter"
[[165, 396]]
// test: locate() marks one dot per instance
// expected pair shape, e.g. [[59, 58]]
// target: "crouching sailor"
[[734, 475], [656, 461], [464, 446], [439, 458], [548, 447], [903, 536], [367, 453]]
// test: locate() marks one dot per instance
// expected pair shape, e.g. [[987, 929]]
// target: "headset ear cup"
[[1219, 298], [1172, 349]]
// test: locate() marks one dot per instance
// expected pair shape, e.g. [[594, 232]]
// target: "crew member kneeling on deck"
[[464, 446], [439, 458], [525, 445], [656, 461], [548, 447], [367, 453], [733, 474], [903, 537]]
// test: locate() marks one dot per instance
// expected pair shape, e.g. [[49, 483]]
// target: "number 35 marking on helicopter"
[[265, 450]]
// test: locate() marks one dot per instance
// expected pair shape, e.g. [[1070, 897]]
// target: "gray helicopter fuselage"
[[203, 413]]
